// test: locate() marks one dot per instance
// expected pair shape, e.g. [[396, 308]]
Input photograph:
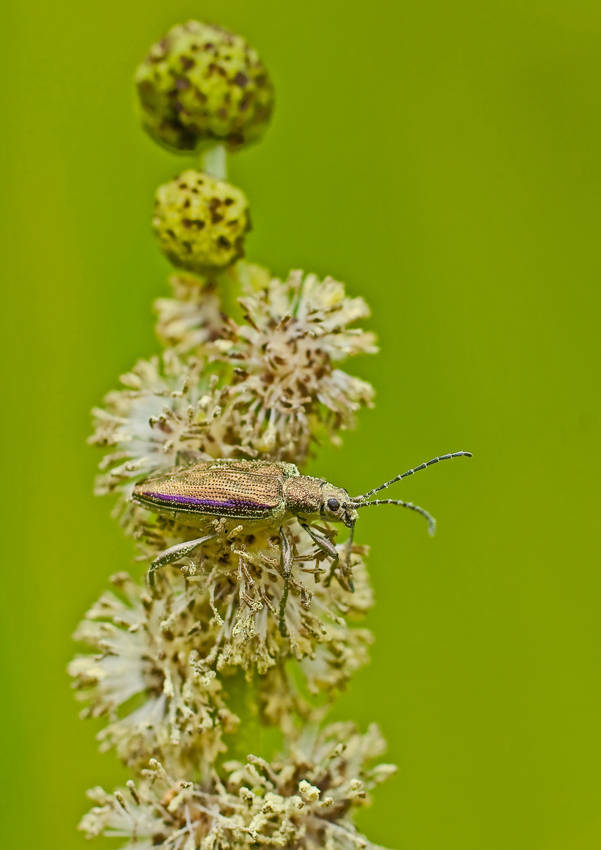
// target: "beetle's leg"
[[174, 553], [286, 564], [326, 545], [349, 551]]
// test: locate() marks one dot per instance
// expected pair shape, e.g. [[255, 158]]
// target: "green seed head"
[[200, 222], [203, 82]]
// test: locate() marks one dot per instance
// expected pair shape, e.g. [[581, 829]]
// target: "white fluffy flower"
[[149, 649]]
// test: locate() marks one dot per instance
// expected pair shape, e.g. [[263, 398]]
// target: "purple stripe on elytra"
[[228, 504]]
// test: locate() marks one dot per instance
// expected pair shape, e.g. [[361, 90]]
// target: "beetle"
[[265, 493]]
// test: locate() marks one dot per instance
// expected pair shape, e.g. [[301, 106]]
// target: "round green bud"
[[200, 222], [203, 82]]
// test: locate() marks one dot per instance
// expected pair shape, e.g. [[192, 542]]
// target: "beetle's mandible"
[[261, 492]]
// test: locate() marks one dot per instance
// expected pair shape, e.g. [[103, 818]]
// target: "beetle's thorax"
[[302, 494]]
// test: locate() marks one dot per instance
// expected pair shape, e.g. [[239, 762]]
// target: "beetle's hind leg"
[[286, 565], [174, 553]]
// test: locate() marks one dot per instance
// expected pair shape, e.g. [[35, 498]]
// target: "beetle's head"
[[337, 506]]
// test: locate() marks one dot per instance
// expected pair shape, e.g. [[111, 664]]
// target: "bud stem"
[[214, 162]]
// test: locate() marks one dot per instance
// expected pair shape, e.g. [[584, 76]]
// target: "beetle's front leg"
[[174, 553], [286, 565], [347, 566], [326, 545]]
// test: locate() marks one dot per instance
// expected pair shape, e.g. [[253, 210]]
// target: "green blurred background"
[[443, 160]]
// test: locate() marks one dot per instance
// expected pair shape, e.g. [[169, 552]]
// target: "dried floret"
[[304, 798]]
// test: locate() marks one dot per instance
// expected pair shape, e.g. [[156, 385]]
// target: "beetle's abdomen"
[[218, 492]]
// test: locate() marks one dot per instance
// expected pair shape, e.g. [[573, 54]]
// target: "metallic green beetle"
[[266, 493]]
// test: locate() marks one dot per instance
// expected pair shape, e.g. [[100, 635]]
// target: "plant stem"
[[244, 699], [214, 162]]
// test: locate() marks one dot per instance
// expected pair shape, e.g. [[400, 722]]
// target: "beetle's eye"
[[333, 504]]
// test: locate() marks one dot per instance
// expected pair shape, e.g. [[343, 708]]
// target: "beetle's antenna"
[[428, 517], [410, 472]]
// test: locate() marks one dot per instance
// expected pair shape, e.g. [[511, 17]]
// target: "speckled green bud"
[[200, 222], [203, 82]]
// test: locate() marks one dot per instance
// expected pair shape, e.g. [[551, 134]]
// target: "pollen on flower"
[[305, 797]]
